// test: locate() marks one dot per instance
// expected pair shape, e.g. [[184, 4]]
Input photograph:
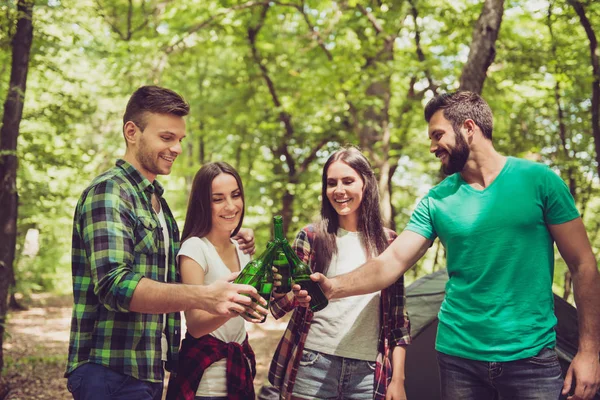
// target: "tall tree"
[[13, 111], [483, 46], [595, 61]]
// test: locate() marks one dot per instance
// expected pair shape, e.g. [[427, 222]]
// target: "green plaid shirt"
[[118, 240]]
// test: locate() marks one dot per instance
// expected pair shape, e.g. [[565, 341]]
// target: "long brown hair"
[[370, 224], [198, 219]]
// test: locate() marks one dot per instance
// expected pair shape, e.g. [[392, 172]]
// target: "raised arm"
[[574, 246], [380, 272]]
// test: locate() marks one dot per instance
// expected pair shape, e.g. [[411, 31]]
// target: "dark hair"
[[460, 106], [198, 219], [153, 99], [370, 224]]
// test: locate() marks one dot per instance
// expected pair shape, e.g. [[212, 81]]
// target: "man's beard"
[[459, 156]]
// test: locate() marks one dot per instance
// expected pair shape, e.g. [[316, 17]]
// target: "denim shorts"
[[323, 376], [534, 378]]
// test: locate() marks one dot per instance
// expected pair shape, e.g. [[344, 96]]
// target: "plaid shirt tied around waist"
[[394, 327], [198, 354], [117, 241]]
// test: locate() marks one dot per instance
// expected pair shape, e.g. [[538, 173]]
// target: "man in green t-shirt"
[[498, 218]]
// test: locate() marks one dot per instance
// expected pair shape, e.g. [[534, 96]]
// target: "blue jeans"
[[533, 378], [96, 382], [323, 376]]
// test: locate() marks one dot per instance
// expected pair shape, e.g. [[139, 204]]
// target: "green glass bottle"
[[280, 261], [258, 274], [254, 270], [301, 275], [265, 287]]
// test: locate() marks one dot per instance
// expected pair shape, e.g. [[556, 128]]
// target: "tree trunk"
[[13, 111], [595, 61], [483, 50]]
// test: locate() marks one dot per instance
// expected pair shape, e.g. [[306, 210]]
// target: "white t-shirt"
[[201, 250], [347, 327], [164, 344]]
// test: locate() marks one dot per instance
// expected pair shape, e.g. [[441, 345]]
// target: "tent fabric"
[[423, 300]]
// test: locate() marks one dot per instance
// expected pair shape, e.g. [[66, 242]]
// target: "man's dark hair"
[[153, 99], [460, 106]]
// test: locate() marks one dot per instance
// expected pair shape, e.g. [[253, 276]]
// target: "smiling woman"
[[208, 254], [352, 334]]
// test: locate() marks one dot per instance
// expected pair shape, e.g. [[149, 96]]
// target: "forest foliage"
[[274, 88]]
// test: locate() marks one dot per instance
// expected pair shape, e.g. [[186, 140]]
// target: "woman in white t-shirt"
[[355, 347], [216, 361]]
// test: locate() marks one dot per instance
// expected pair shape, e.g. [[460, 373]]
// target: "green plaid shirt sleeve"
[[107, 226]]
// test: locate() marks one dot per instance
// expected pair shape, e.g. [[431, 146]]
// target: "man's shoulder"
[[112, 182], [527, 165], [446, 187], [528, 170]]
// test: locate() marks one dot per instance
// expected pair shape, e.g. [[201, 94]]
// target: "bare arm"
[[219, 298], [380, 272], [574, 246], [396, 390]]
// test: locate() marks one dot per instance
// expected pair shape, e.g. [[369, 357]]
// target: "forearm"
[[398, 362], [384, 270], [200, 323], [370, 277], [152, 297], [586, 284]]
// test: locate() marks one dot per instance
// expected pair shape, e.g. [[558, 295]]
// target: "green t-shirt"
[[500, 257]]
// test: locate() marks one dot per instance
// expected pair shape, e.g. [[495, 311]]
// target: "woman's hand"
[[395, 390], [245, 239]]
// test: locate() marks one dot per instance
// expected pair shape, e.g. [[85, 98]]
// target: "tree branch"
[[314, 32], [209, 20], [284, 116]]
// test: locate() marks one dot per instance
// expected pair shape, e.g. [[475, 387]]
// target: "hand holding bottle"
[[254, 308], [301, 295], [228, 299]]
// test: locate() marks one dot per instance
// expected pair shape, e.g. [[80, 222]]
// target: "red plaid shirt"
[[197, 355], [394, 323]]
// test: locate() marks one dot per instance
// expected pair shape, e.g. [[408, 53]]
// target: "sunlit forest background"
[[276, 86]]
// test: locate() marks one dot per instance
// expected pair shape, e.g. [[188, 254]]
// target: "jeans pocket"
[[309, 357], [372, 365], [73, 384], [115, 381], [546, 357]]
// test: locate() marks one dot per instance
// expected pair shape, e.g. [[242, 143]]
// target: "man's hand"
[[585, 369], [245, 239], [229, 299], [395, 391], [325, 283]]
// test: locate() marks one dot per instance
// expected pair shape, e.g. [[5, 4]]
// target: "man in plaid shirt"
[[126, 320]]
